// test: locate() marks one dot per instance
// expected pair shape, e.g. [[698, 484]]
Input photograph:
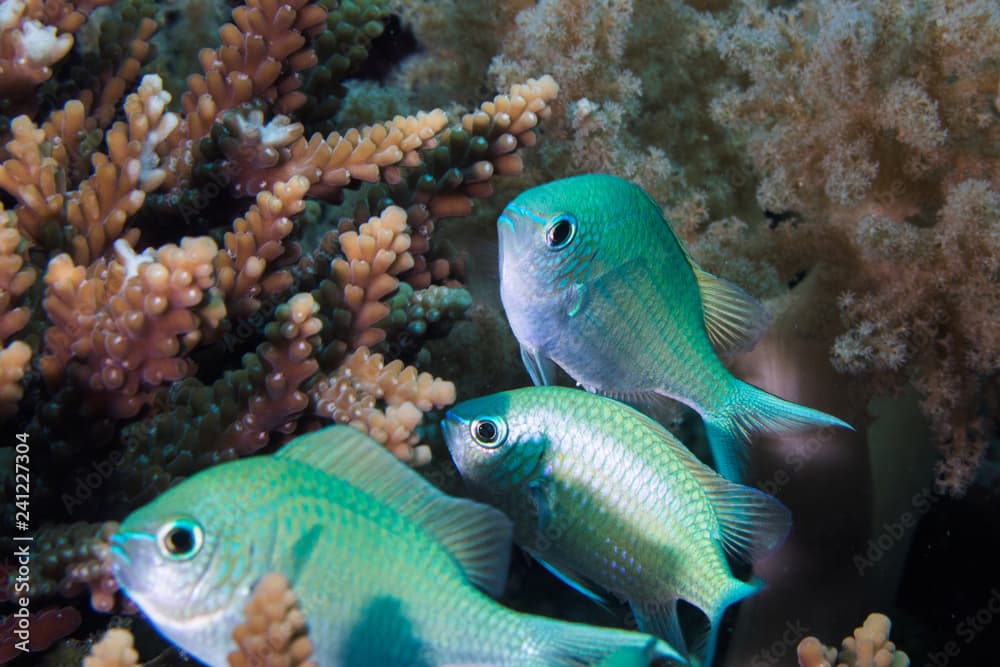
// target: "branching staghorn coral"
[[159, 308], [363, 382], [34, 36], [869, 646], [274, 630]]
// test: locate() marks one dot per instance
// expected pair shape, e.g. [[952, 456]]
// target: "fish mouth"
[[121, 561], [514, 214]]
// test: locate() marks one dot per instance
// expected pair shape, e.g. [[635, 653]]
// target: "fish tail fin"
[[565, 644], [750, 411], [738, 590]]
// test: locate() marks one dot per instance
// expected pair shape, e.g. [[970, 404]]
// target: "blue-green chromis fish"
[[385, 566], [593, 279], [609, 500]]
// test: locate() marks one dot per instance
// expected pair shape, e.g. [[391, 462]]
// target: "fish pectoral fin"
[[734, 320], [576, 582], [477, 536], [543, 508], [302, 551], [541, 369], [753, 524], [659, 618]]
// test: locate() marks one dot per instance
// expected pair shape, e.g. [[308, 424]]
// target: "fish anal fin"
[[477, 536], [734, 320], [659, 618]]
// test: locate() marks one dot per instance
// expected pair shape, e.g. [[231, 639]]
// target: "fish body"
[[594, 280], [385, 566], [611, 501]]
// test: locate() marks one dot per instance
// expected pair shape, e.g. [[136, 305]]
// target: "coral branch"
[[115, 649], [868, 647], [366, 274], [128, 322], [363, 382], [248, 261], [274, 630]]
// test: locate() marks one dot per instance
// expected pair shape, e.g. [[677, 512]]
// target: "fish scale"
[[622, 307], [612, 502], [384, 566]]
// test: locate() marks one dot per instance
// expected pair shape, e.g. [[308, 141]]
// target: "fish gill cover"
[[216, 239]]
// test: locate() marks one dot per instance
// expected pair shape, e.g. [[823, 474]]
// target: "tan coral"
[[869, 646], [32, 178], [130, 322], [94, 215], [126, 73], [274, 631], [507, 123], [373, 256], [15, 360], [261, 54], [332, 162], [15, 277], [364, 381], [246, 262], [289, 358], [116, 648]]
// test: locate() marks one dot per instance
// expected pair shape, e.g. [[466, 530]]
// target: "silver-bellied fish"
[[593, 278], [385, 566], [610, 501]]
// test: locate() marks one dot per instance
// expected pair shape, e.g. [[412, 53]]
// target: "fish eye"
[[560, 232], [181, 539], [489, 432]]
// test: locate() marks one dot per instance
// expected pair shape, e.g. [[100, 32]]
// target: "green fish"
[[594, 280], [608, 499], [385, 566]]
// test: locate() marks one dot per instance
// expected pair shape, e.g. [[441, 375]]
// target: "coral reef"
[[885, 199], [869, 646], [212, 242], [163, 306]]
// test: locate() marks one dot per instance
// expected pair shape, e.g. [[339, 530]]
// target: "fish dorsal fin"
[[477, 536], [752, 524], [734, 320]]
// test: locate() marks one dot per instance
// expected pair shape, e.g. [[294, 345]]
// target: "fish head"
[[554, 232], [182, 560], [493, 444], [562, 234], [547, 236]]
